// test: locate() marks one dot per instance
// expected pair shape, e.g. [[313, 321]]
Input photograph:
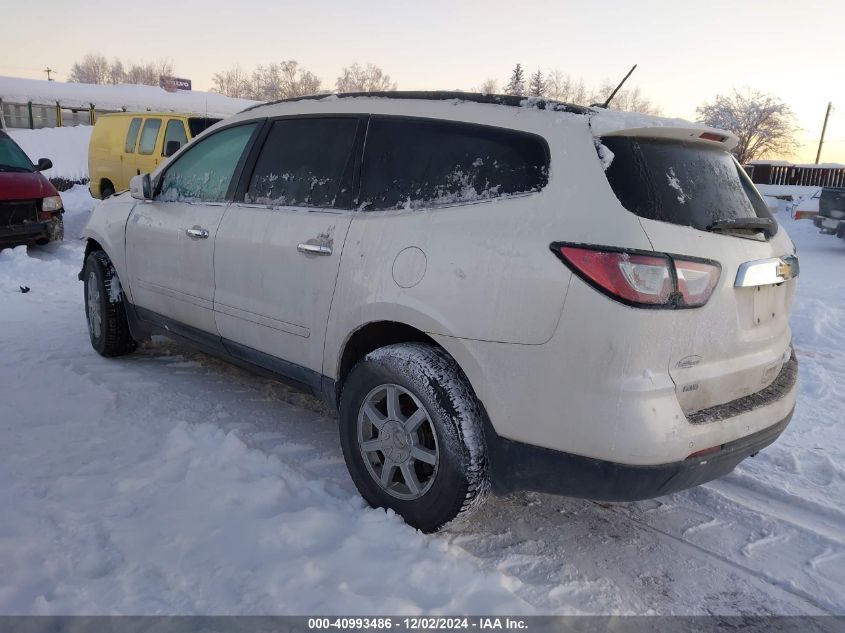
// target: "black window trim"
[[543, 143], [239, 194], [260, 125]]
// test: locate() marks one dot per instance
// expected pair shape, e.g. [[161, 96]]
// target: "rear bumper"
[[831, 226], [518, 466]]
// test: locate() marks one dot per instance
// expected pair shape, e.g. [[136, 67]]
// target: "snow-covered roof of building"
[[117, 97]]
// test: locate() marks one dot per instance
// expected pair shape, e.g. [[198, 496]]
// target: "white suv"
[[496, 293]]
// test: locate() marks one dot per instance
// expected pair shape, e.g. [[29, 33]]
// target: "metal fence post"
[[29, 111], [91, 113]]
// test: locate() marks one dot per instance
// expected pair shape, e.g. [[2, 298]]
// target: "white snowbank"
[[67, 147], [132, 97]]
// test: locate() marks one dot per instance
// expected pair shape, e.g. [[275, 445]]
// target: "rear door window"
[[306, 162], [149, 134], [680, 183], [417, 163], [132, 135]]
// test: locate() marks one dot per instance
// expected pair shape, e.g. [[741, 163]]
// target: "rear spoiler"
[[709, 136]]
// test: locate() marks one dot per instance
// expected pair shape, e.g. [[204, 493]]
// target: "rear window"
[[418, 163], [200, 124], [680, 183], [831, 199]]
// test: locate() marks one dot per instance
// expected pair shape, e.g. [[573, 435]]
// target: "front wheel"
[[104, 307], [412, 436]]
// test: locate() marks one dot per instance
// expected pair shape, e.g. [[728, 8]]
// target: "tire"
[[432, 433], [104, 307], [106, 190]]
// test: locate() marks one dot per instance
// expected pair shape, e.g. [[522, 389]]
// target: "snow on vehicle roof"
[[116, 97], [604, 121], [443, 95]]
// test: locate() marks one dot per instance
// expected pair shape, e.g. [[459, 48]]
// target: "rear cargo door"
[[694, 200]]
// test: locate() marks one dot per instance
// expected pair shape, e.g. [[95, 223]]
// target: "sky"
[[687, 52]]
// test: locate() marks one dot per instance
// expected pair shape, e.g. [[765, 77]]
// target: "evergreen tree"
[[516, 85], [536, 85]]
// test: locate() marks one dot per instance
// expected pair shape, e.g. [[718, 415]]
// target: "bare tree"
[[233, 82], [516, 85], [116, 73], [626, 100], [562, 87], [537, 85], [96, 69], [764, 124], [93, 69], [489, 86], [296, 81], [370, 79]]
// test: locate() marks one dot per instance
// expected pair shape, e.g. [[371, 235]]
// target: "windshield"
[[12, 157], [682, 183]]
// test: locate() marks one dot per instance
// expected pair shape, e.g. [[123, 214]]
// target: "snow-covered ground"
[[169, 482]]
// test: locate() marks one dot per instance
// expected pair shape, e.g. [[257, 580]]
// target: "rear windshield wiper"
[[765, 225]]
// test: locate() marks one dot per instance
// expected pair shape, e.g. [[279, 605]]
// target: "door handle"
[[314, 249], [197, 233]]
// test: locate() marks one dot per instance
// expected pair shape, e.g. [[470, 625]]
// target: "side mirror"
[[171, 148], [43, 164], [141, 187]]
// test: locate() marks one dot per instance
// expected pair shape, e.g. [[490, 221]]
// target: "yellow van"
[[125, 144]]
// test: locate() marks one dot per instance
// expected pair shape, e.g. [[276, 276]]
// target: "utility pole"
[[49, 70], [824, 129]]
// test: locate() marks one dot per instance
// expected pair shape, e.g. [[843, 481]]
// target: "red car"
[[30, 207]]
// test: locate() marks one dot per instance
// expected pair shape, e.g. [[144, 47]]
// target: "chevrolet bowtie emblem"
[[787, 268]]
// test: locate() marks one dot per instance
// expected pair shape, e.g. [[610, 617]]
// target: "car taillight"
[[641, 279], [696, 281]]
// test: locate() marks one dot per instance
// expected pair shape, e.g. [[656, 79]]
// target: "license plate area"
[[769, 303]]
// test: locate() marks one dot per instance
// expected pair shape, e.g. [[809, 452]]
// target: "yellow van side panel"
[[107, 158]]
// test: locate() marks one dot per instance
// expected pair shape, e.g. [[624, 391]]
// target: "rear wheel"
[[410, 428], [104, 307]]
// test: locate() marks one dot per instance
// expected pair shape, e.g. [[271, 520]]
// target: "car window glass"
[[132, 135], [12, 157], [200, 124], [305, 162], [204, 171], [684, 183], [174, 131], [417, 163], [149, 134]]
